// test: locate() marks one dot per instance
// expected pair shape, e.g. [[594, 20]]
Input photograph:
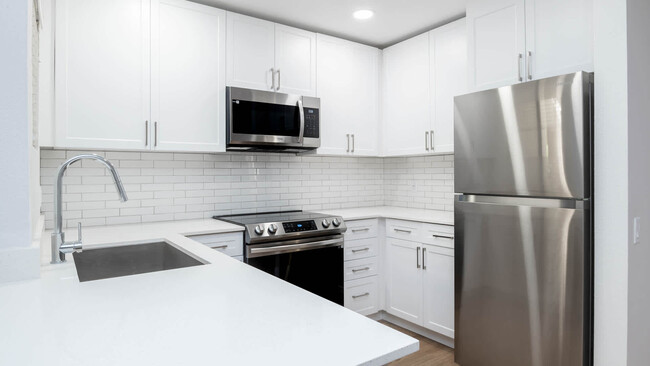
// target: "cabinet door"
[[346, 71], [496, 36], [188, 76], [250, 50], [559, 37], [364, 112], [102, 73], [448, 51], [438, 289], [404, 280], [406, 96], [295, 61]]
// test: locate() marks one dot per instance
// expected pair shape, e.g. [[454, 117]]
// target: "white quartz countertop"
[[399, 213], [221, 313]]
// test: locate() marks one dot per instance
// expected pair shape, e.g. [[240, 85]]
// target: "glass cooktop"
[[264, 217]]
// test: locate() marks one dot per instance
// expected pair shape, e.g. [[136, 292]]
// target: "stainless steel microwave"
[[262, 120]]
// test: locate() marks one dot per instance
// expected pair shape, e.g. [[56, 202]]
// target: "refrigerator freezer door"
[[529, 139], [520, 283]]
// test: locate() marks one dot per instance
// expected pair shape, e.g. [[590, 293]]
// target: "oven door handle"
[[290, 248], [301, 111]]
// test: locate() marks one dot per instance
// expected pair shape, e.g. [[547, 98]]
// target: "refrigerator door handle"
[[577, 204]]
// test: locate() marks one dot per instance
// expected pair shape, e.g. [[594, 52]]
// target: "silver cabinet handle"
[[431, 139], [361, 269], [403, 231], [417, 256], [278, 80], [360, 250], [352, 143], [424, 260], [519, 77], [155, 134], [221, 247], [360, 230], [272, 79], [530, 65], [146, 133], [362, 295], [426, 140], [347, 135], [443, 236]]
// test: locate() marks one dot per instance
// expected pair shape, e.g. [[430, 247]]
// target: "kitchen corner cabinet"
[[138, 86], [420, 274], [421, 78], [405, 99], [267, 56], [348, 86], [511, 41]]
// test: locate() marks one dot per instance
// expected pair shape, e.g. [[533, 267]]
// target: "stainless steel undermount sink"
[[126, 260]]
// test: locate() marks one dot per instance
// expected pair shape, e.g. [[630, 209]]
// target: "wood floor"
[[430, 354]]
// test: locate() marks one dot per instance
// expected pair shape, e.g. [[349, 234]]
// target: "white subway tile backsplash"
[[174, 186]]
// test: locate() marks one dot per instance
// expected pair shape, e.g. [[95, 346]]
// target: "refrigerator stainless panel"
[[521, 283], [529, 139]]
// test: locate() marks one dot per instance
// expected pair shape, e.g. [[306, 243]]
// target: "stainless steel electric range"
[[302, 248]]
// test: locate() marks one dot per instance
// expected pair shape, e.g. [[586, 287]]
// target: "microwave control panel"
[[312, 123]]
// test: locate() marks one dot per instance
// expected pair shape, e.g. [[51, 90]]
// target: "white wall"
[[611, 183], [638, 37]]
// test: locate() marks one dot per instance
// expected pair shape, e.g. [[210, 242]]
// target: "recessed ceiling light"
[[363, 14]]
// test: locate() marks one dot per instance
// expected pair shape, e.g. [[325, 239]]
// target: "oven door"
[[259, 118], [313, 264]]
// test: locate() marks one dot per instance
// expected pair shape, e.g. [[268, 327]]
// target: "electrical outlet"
[[637, 230]]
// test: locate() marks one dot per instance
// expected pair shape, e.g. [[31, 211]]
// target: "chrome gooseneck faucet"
[[59, 246]]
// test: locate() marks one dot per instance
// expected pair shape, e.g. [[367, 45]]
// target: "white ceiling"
[[394, 20]]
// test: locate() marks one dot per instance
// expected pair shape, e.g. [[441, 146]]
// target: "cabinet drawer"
[[361, 229], [360, 268], [441, 235], [362, 248], [362, 295], [231, 244], [405, 230]]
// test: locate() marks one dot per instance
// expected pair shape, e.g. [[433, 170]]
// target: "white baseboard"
[[436, 337]]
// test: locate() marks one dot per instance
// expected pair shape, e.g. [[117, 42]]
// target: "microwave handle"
[[301, 110]]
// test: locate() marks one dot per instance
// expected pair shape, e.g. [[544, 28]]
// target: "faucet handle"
[[79, 231]]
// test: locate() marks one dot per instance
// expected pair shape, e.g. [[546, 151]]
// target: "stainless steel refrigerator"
[[523, 224]]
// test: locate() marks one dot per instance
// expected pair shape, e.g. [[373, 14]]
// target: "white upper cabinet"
[[139, 75], [448, 73], [267, 56], [188, 76], [295, 60], [496, 32], [405, 102], [251, 52], [102, 70], [559, 37], [348, 86], [513, 41]]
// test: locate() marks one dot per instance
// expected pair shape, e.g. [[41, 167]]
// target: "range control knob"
[[326, 223], [273, 228], [336, 222], [259, 229]]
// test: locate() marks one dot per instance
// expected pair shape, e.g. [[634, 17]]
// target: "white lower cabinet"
[[361, 267], [438, 289], [231, 244], [419, 276]]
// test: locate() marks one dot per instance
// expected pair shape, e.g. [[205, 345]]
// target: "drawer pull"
[[403, 231], [442, 236], [360, 230], [221, 247], [360, 250], [361, 269], [362, 295]]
